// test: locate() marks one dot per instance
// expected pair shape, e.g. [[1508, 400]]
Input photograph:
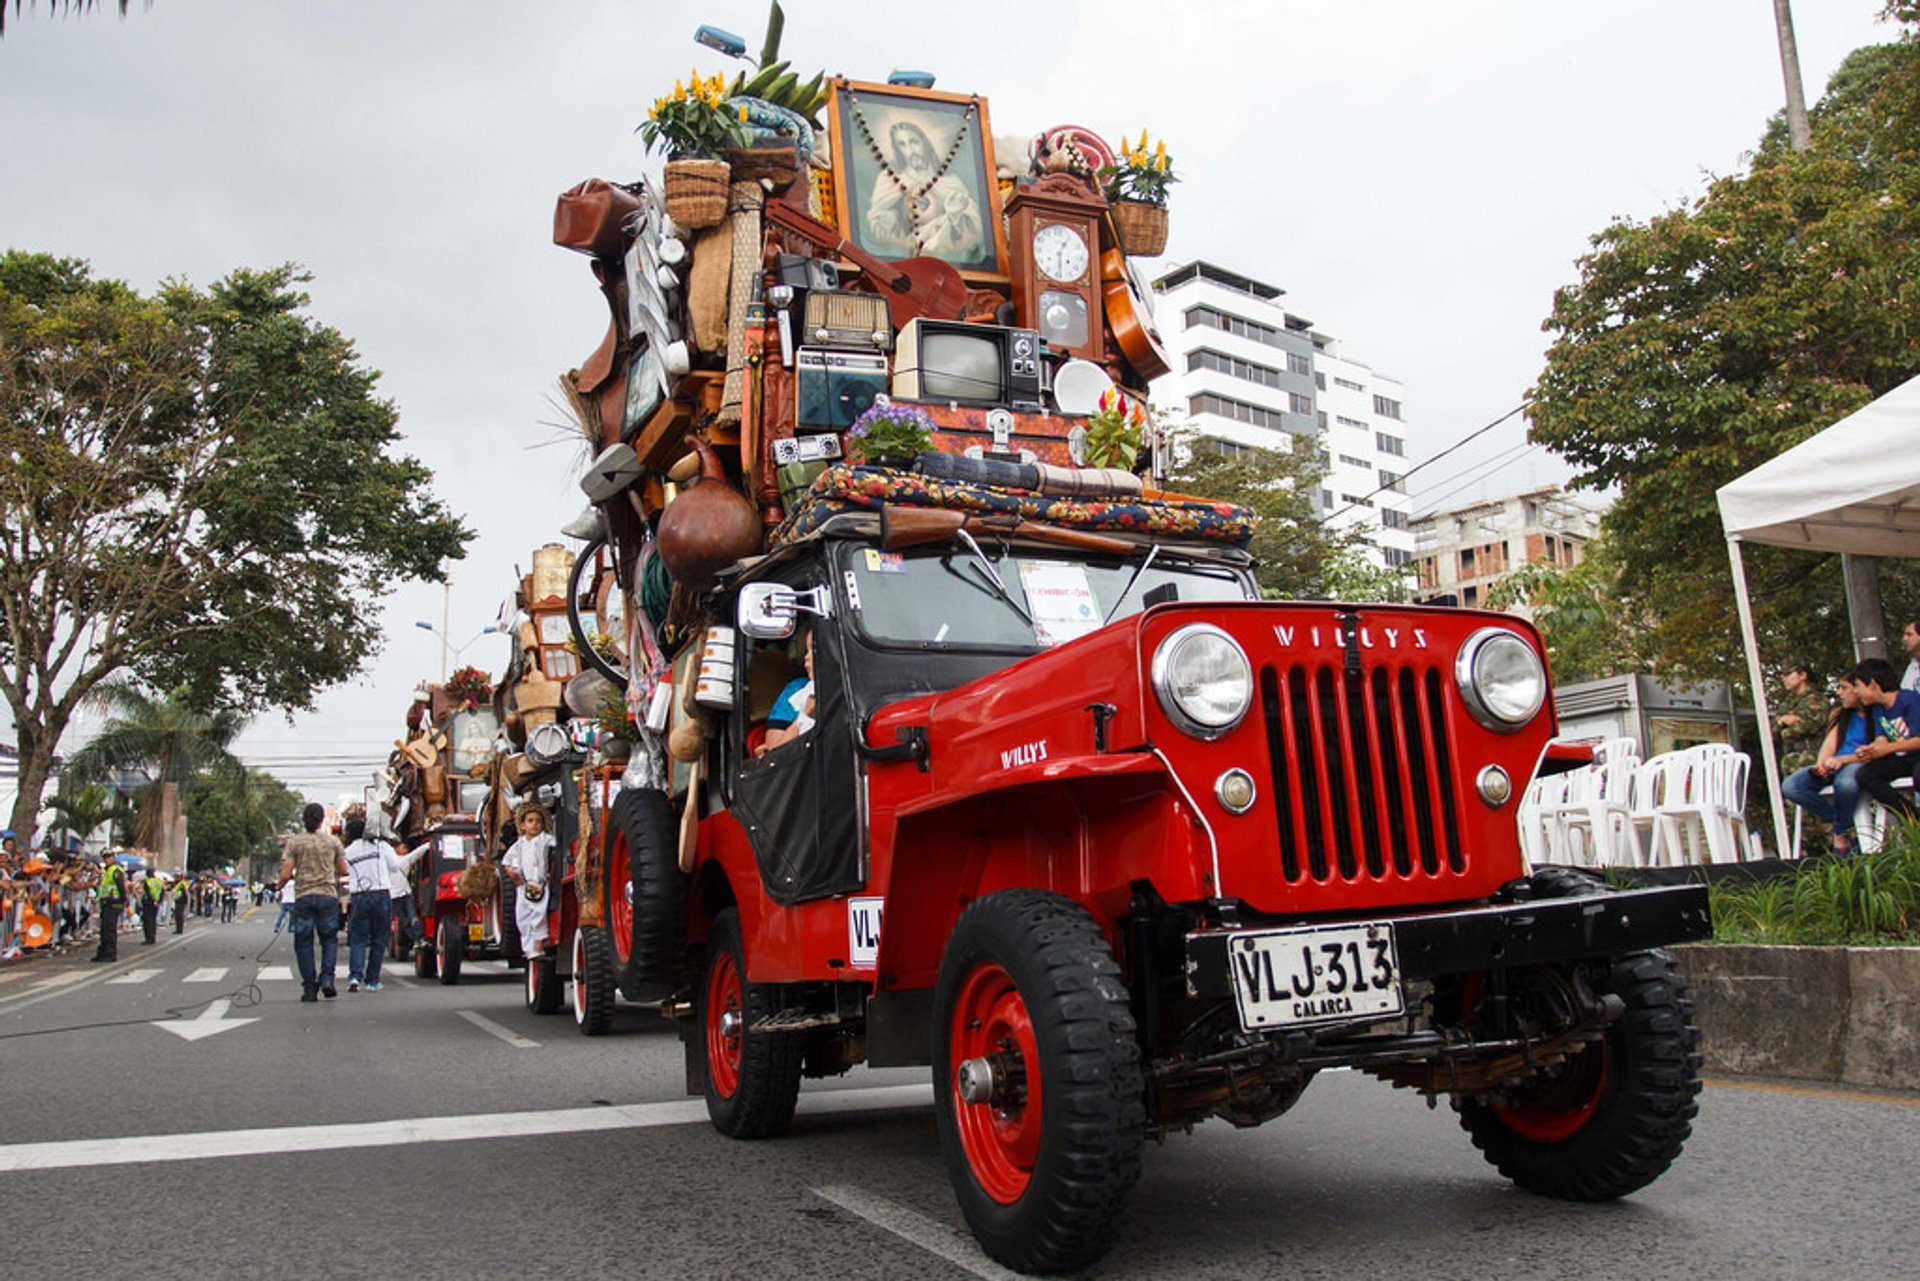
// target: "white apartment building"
[[1249, 372]]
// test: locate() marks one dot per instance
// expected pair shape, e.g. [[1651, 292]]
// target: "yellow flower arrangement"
[[1142, 173], [694, 119]]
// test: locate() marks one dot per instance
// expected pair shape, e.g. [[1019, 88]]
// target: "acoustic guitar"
[[913, 287], [1132, 324]]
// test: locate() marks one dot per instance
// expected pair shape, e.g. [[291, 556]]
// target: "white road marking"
[[33, 996], [10, 977], [211, 1021], [205, 1145], [909, 1225], [206, 974], [133, 976], [508, 1035], [275, 973], [59, 980]]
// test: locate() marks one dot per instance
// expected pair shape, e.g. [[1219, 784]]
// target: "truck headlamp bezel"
[[1501, 679], [1177, 680]]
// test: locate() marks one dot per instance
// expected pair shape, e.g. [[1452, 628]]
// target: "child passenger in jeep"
[[792, 713]]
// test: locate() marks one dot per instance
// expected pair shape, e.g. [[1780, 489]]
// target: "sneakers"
[[353, 985], [309, 996], [374, 986], [328, 992]]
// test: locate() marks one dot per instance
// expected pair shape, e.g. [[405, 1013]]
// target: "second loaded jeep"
[[1116, 846]]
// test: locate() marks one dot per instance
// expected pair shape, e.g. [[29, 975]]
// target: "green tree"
[[1591, 627], [1711, 338], [1300, 556], [198, 490], [164, 736], [232, 818], [57, 7]]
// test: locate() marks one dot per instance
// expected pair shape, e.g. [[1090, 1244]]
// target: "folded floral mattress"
[[845, 488]]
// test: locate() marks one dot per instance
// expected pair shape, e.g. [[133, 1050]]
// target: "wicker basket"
[[1142, 227], [697, 192], [777, 162]]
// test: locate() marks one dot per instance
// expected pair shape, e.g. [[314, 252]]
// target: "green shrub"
[[1869, 899]]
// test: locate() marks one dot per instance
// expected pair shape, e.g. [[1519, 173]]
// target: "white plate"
[[1315, 974], [1078, 386]]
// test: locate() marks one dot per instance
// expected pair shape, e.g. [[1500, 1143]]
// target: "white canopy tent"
[[1855, 488]]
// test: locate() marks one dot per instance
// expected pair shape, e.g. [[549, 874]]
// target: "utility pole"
[[1865, 615], [1798, 134]]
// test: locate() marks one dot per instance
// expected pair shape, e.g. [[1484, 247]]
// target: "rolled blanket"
[[480, 882], [1088, 482]]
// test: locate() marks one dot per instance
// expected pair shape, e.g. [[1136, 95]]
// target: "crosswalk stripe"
[[132, 976], [59, 980], [282, 973], [208, 974]]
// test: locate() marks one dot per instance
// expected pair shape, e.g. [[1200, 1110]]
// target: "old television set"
[[950, 361]]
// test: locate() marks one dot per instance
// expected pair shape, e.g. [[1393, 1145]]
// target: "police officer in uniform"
[[112, 894], [152, 890]]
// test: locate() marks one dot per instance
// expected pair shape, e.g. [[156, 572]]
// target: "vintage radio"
[[834, 318], [833, 387], [952, 362]]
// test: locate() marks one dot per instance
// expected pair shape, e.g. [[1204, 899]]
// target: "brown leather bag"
[[592, 218]]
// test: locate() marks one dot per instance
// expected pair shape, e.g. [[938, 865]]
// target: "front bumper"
[[1538, 932]]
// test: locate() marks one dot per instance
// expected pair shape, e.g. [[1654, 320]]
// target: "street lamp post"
[[445, 645]]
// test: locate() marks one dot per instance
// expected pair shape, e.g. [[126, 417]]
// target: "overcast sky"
[[1419, 177]]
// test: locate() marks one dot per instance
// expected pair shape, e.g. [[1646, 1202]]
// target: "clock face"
[[1060, 252], [553, 629]]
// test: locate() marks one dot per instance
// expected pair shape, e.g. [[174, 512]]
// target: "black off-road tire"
[[753, 1078], [543, 985], [1043, 957], [510, 950], [593, 988], [453, 946], [1611, 1119], [646, 827], [425, 963]]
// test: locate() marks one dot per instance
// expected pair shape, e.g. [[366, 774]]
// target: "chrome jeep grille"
[[1360, 766]]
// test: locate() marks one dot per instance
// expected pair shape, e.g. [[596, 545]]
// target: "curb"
[[1848, 1015]]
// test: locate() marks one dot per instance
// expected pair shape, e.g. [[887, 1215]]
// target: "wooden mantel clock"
[[1054, 244]]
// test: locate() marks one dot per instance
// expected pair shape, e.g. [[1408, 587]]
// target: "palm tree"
[[81, 812], [164, 736]]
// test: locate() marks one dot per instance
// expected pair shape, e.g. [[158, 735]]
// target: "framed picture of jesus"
[[913, 176]]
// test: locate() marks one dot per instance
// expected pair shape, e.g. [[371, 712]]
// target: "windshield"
[[949, 597]]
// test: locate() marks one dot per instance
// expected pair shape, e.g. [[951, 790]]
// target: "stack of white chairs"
[[1693, 804], [1583, 817]]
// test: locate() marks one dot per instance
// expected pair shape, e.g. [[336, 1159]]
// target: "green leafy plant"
[[887, 430], [615, 721], [1868, 899], [1142, 173], [694, 120], [1115, 430]]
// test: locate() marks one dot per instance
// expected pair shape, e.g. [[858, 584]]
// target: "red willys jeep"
[[1115, 846]]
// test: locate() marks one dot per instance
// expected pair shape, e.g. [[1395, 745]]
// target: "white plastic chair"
[[1701, 813], [1547, 792], [1603, 820]]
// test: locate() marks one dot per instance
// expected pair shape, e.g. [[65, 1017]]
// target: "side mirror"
[[768, 611]]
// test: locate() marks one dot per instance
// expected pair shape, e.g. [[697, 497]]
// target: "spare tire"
[[646, 894]]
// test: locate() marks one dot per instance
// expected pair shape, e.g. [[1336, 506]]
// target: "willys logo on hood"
[[1335, 638]]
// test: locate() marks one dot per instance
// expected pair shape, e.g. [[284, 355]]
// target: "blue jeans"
[[1802, 787], [311, 913], [409, 919], [286, 911], [367, 925]]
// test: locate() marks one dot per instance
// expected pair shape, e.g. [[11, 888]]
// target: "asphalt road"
[[443, 1131]]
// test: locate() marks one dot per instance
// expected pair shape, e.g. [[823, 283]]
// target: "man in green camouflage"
[[1801, 719]]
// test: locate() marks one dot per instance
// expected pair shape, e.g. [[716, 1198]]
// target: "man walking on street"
[[153, 889], [315, 860], [112, 895], [372, 867]]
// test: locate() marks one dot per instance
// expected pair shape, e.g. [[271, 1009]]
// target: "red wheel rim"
[[1558, 1109], [579, 976], [1001, 1138], [723, 1048], [620, 898]]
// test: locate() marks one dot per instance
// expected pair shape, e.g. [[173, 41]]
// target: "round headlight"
[[1203, 680], [1501, 679]]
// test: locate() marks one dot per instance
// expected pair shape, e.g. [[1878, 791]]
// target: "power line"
[[1485, 469], [1464, 440]]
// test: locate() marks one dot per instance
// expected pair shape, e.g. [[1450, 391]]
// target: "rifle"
[[915, 526]]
